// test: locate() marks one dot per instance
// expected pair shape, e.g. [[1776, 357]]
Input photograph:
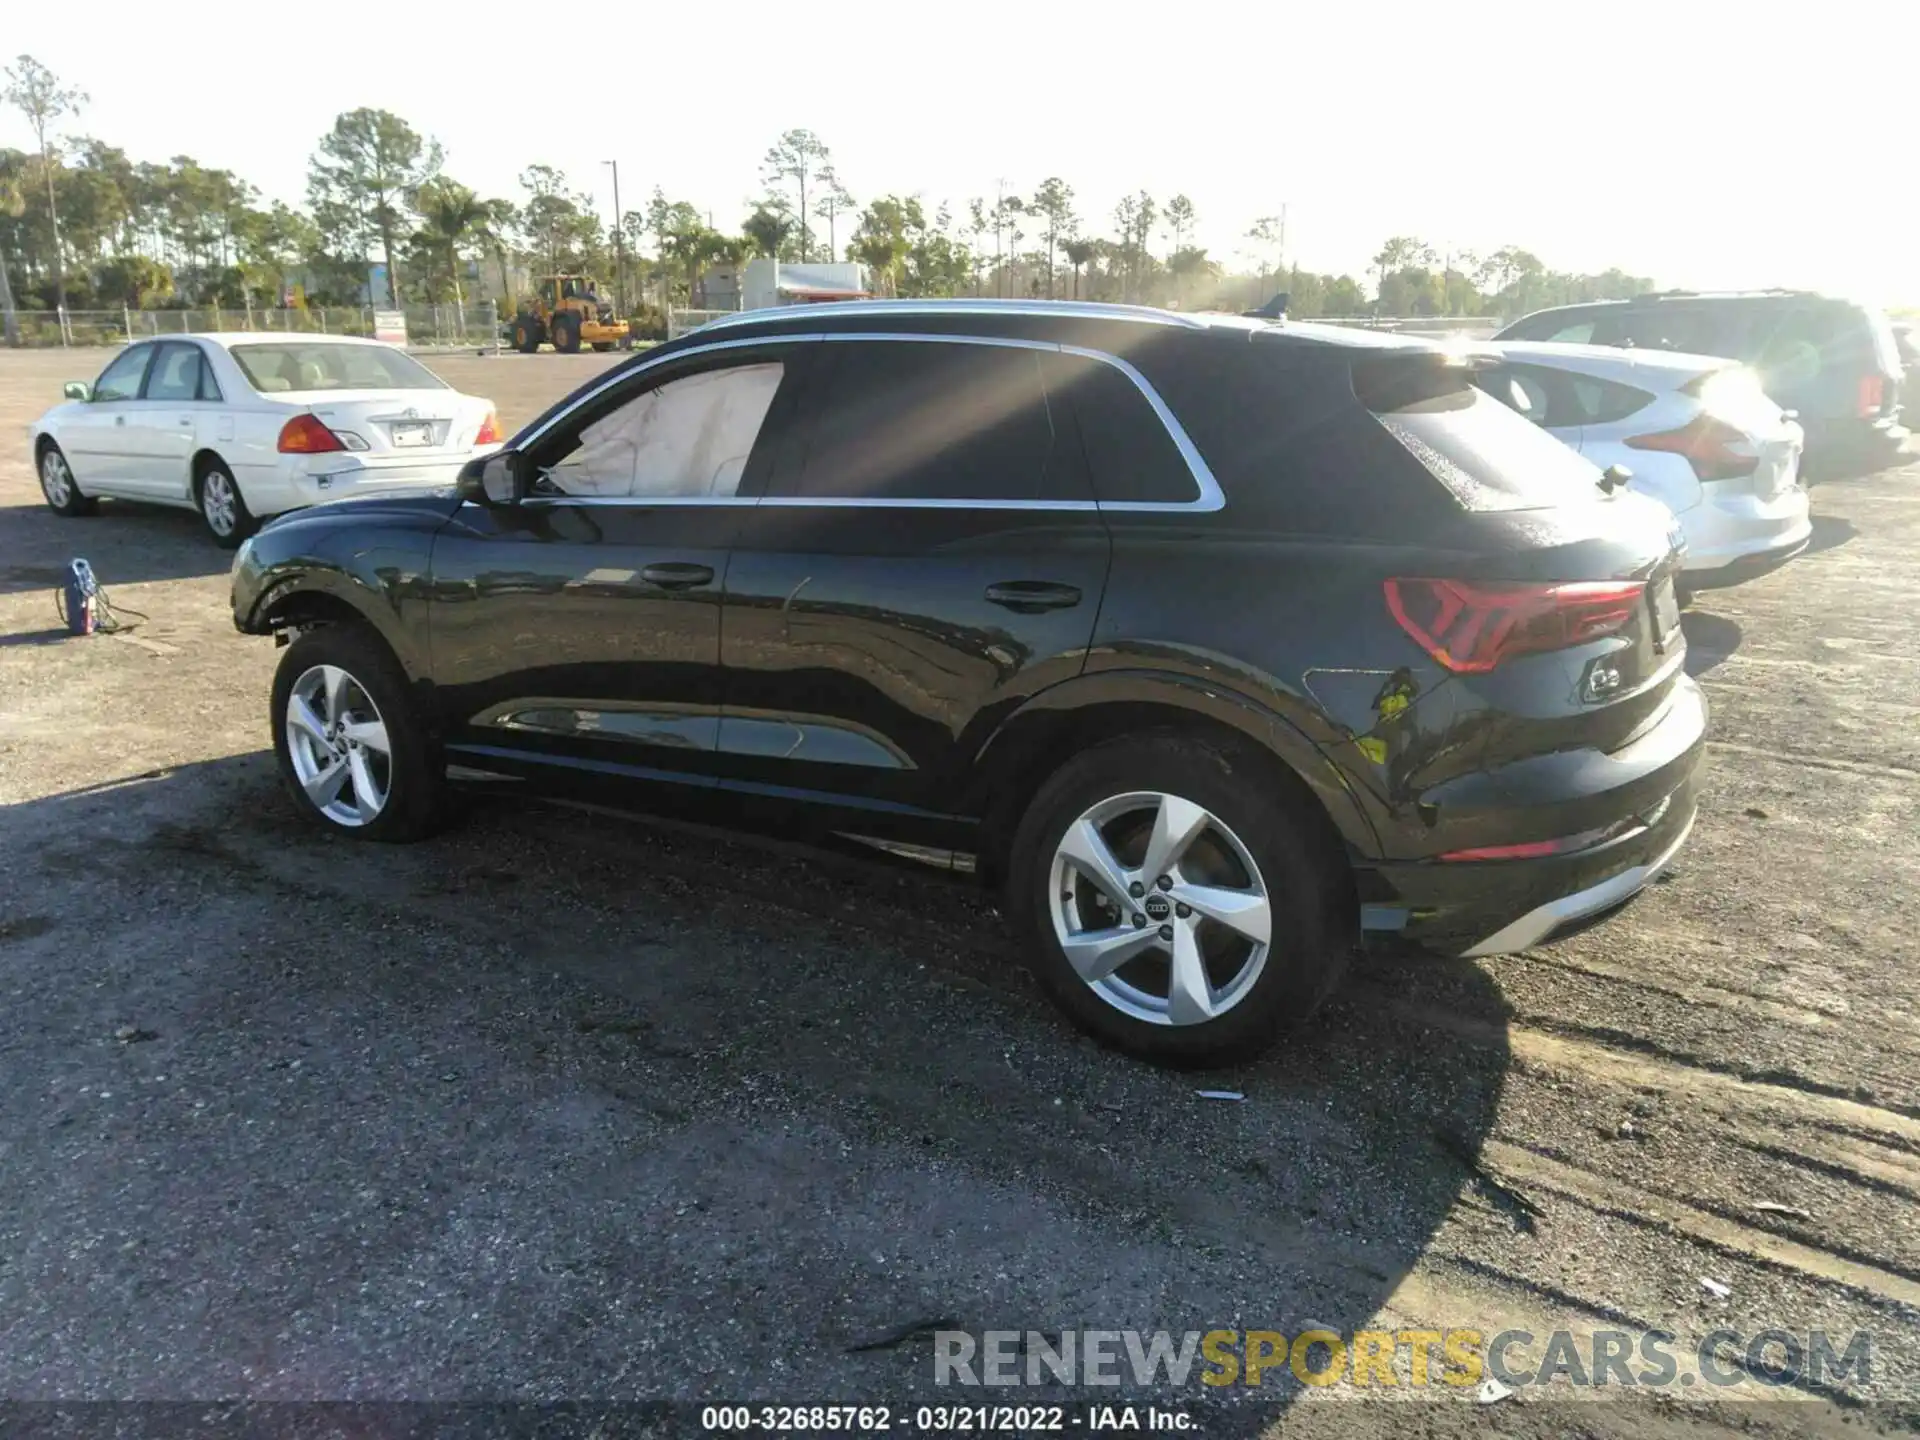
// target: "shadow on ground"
[[1829, 533], [126, 542], [570, 1106], [1711, 638]]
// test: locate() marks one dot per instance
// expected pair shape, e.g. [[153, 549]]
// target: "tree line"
[[85, 226]]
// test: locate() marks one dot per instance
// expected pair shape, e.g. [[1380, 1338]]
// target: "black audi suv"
[[1217, 643]]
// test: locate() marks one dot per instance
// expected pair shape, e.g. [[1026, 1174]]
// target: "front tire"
[[1177, 901], [352, 752], [61, 490], [223, 507], [566, 333]]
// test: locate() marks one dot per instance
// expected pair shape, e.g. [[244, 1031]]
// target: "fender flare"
[[1273, 732], [336, 584]]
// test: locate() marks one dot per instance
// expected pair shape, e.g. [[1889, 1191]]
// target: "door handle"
[[119, 419], [1030, 597], [186, 419], [677, 575]]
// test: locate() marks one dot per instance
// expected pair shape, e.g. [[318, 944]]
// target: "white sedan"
[[243, 426], [1697, 434]]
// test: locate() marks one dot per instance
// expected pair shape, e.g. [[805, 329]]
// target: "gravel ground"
[[568, 1107]]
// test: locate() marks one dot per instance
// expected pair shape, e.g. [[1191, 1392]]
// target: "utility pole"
[[619, 244]]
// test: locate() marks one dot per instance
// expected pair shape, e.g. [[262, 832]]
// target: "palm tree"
[[495, 231], [13, 202], [1078, 253], [454, 215]]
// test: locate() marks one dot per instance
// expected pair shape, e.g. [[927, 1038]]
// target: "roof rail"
[[1072, 309]]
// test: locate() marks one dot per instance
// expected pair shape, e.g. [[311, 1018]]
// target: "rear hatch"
[[1547, 603]]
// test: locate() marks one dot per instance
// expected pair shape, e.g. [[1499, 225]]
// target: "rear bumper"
[[1492, 907], [1726, 532], [302, 480]]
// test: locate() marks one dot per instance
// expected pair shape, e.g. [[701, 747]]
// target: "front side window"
[[176, 374], [121, 379], [688, 438], [1579, 333], [931, 420], [310, 365]]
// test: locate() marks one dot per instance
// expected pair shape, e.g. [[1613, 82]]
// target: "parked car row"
[[1835, 364]]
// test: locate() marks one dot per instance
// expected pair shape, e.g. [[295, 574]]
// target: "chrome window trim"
[[1209, 496], [1049, 310]]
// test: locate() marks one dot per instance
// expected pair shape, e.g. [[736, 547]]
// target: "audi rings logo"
[[1158, 908]]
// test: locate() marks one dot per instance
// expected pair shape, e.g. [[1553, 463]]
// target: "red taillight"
[[1707, 443], [489, 430], [307, 435], [1529, 850], [1873, 394], [1471, 628]]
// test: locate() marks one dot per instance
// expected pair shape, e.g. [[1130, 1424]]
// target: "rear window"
[[318, 365], [1487, 456]]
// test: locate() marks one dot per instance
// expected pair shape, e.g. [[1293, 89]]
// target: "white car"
[[1697, 432], [243, 426]]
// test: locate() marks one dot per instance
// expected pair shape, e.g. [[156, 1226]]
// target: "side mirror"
[[492, 480], [77, 390], [1615, 477]]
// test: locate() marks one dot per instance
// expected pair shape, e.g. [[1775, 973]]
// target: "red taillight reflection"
[[1472, 628], [1873, 394], [489, 430], [1706, 442], [307, 435]]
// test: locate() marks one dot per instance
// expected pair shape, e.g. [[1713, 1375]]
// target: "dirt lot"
[[567, 1107]]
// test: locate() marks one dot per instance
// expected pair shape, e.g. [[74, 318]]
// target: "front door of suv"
[[925, 557], [576, 635]]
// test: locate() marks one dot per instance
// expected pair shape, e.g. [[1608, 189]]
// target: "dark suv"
[[1833, 362], [1215, 641]]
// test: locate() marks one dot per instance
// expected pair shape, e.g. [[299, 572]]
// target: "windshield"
[[323, 365]]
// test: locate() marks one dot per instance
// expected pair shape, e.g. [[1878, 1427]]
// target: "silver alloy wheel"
[[216, 502], [338, 744], [56, 481], [1160, 908]]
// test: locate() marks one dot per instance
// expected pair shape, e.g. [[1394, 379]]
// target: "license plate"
[[413, 434], [1666, 610]]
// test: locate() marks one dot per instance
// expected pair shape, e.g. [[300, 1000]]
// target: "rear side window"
[[932, 420], [1601, 402], [1485, 454], [1129, 453], [1695, 329]]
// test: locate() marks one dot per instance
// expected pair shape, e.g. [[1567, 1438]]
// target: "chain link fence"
[[441, 327], [679, 322]]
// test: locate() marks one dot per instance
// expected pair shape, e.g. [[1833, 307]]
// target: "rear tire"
[[566, 334], [526, 335], [57, 484], [1188, 988], [222, 507], [353, 698]]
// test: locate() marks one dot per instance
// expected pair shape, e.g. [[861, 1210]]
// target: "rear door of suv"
[[923, 558]]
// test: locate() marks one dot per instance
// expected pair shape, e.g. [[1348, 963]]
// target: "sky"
[[1702, 143]]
